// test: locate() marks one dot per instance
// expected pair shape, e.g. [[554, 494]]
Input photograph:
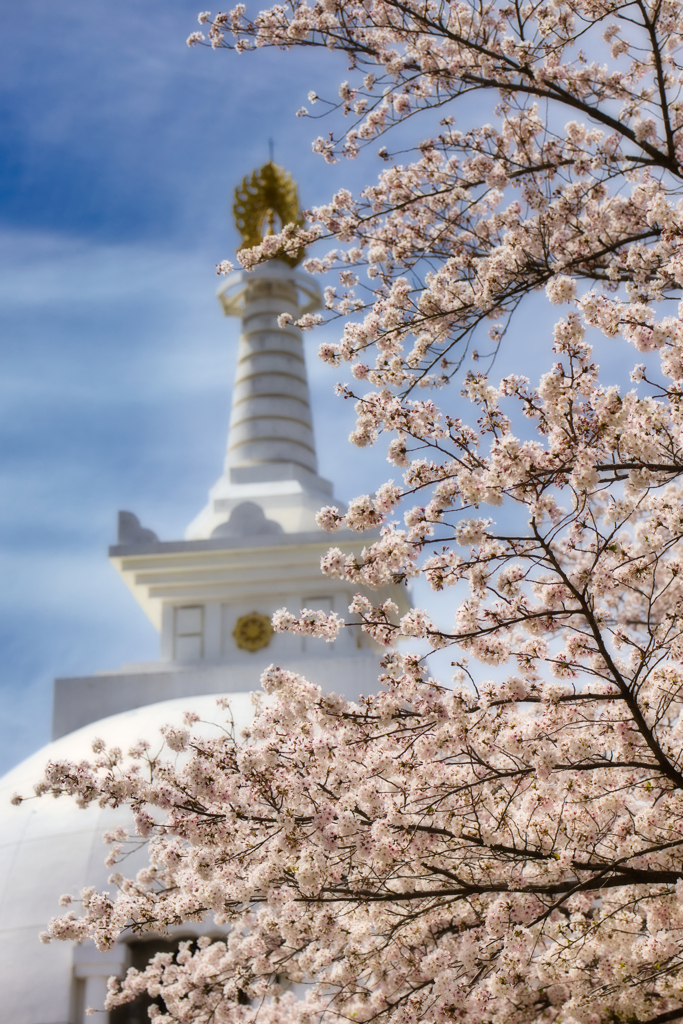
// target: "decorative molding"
[[132, 532], [247, 520], [252, 632]]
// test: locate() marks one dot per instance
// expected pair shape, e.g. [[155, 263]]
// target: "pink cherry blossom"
[[503, 845]]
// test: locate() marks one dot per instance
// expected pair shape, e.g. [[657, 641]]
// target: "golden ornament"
[[252, 632], [267, 194]]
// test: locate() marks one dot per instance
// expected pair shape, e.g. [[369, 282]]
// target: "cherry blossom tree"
[[507, 846]]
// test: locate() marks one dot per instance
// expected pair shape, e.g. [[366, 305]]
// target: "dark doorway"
[[141, 954]]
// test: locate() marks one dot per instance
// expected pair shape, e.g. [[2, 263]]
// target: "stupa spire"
[[255, 547], [270, 455]]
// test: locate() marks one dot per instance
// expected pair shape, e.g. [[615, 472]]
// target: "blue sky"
[[119, 150]]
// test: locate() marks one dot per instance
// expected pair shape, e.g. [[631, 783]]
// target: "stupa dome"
[[50, 847]]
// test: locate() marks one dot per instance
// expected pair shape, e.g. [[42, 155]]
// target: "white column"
[[167, 628], [94, 996], [270, 458], [213, 630], [271, 414], [94, 969]]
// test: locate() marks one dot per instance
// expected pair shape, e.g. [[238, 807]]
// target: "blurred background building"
[[253, 548]]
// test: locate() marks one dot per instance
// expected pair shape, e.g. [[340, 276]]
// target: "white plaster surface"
[[49, 847], [271, 429], [85, 699]]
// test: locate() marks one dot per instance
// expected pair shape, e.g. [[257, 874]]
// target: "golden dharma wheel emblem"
[[265, 195], [252, 632]]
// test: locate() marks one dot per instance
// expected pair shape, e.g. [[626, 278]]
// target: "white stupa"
[[254, 548]]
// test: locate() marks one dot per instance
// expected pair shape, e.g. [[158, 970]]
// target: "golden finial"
[[267, 194]]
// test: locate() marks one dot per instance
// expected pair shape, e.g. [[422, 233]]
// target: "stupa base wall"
[[84, 699]]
